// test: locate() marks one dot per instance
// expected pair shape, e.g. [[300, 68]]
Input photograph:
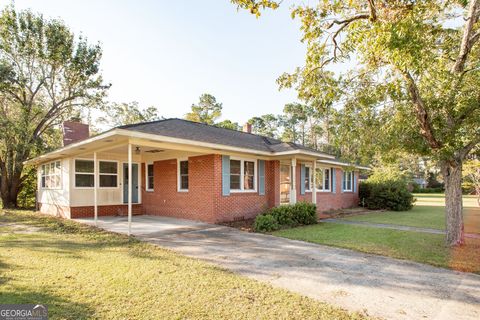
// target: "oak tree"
[[421, 62]]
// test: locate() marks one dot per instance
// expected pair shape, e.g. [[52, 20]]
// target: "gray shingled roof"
[[184, 129]]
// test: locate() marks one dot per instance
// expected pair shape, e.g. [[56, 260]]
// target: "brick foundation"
[[108, 210]]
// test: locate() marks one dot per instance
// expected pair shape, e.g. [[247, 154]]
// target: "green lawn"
[[80, 272], [438, 199], [424, 214], [415, 246]]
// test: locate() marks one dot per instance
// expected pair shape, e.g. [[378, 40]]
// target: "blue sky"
[[167, 53]]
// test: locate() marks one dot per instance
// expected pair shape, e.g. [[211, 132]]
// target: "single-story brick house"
[[188, 170]]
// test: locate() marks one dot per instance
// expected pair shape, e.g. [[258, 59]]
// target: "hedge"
[[391, 195], [285, 216]]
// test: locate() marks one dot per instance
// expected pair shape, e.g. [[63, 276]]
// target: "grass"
[[438, 199], [81, 272], [423, 215], [414, 246]]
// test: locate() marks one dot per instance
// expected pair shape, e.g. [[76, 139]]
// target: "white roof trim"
[[343, 164], [160, 138]]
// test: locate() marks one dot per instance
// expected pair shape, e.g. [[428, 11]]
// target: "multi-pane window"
[[308, 179], [150, 177], [347, 181], [322, 179], [84, 174], [242, 175], [235, 174], [183, 175], [108, 174], [51, 175], [248, 175]]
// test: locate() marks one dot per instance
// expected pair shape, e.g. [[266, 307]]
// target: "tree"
[[208, 110], [301, 123], [294, 122], [265, 125], [46, 73], [424, 72], [228, 124], [472, 175], [117, 114]]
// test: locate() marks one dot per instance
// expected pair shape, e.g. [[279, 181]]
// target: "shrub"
[[430, 190], [390, 194], [265, 223], [304, 213], [284, 215], [301, 213]]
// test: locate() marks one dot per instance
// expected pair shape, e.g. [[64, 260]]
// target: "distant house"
[[422, 183], [188, 170]]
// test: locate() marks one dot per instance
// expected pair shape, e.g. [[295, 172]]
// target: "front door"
[[134, 183], [285, 182]]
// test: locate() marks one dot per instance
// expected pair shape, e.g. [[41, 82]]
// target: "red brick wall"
[[107, 210], [74, 132], [239, 206], [329, 200], [204, 200], [196, 204]]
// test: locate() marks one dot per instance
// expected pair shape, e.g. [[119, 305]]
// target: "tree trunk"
[[452, 173], [9, 200], [10, 186]]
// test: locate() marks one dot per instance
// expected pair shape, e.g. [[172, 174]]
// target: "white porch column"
[[95, 187], [314, 183], [129, 188], [293, 191]]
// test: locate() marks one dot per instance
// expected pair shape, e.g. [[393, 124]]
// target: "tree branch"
[[373, 10], [469, 146], [420, 111], [468, 40], [349, 20]]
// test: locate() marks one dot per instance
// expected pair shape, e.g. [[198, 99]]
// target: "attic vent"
[[154, 151]]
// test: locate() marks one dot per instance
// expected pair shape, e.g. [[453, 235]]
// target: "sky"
[[167, 53]]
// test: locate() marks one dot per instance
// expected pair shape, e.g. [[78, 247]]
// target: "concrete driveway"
[[380, 286]]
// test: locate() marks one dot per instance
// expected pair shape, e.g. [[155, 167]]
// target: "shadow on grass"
[[58, 308]]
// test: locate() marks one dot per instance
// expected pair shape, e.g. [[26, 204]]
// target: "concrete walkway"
[[380, 286], [395, 227]]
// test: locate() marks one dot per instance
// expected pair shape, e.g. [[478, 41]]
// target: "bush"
[[304, 213], [430, 190], [301, 213], [283, 215], [265, 223], [391, 195]]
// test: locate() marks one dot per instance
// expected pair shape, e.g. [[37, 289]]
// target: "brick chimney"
[[247, 127], [74, 132]]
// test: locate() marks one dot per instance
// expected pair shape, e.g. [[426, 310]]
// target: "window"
[[322, 179], [108, 174], [150, 177], [51, 175], [242, 175], [308, 179], [347, 180], [248, 175], [183, 175], [84, 170], [235, 174]]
